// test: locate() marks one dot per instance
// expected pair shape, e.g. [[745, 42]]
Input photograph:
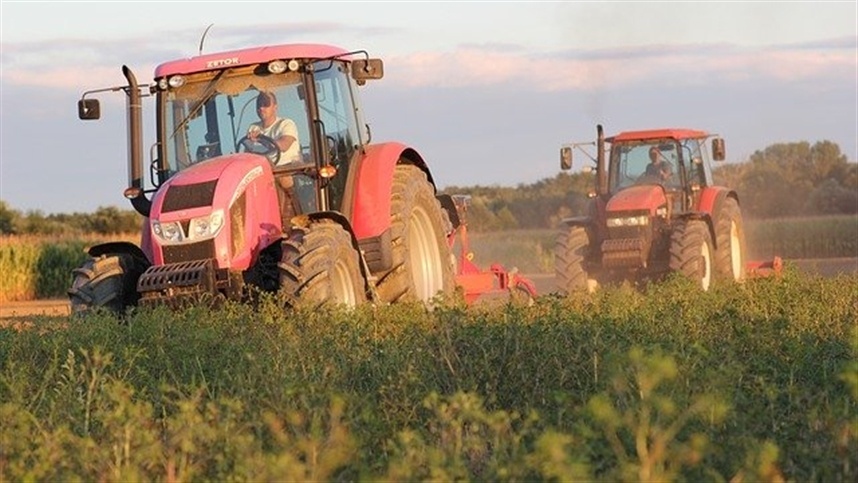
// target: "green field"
[[750, 382]]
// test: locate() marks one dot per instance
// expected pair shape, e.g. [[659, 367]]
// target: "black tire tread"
[[570, 253], [108, 281], [685, 245], [309, 256], [411, 187], [730, 212]]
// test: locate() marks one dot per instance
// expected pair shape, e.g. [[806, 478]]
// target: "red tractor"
[[655, 210], [230, 209]]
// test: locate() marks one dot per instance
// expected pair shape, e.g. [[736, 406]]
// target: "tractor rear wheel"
[[319, 265], [691, 252], [570, 252], [730, 238], [422, 263], [108, 281]]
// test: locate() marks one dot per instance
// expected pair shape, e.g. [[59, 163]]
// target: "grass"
[[750, 382]]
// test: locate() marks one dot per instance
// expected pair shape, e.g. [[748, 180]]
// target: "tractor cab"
[[676, 160], [207, 106]]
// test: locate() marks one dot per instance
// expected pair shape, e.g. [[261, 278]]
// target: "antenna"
[[203, 38]]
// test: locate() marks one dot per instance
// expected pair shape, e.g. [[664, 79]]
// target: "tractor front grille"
[[189, 196], [623, 253], [203, 250]]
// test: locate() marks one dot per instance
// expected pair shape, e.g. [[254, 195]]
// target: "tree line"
[[784, 179]]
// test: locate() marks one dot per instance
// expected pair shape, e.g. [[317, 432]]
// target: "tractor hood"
[[212, 183], [638, 198], [224, 209]]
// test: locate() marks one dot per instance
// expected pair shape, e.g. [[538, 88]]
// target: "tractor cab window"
[[645, 163], [338, 116], [696, 158], [210, 114]]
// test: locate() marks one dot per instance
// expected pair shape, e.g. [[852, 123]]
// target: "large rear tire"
[[422, 263], [730, 238], [320, 266], [107, 281], [570, 253], [691, 252]]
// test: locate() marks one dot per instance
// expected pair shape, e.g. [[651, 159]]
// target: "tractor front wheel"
[[108, 281], [422, 263], [319, 265], [730, 238], [570, 252], [691, 252]]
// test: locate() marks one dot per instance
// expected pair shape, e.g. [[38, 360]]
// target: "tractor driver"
[[659, 167], [284, 132]]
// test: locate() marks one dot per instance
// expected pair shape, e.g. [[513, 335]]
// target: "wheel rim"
[[706, 259], [735, 251], [342, 285], [424, 256]]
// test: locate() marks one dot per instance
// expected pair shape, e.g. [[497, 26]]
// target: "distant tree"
[[506, 220], [109, 220], [830, 197], [779, 180], [8, 219], [34, 222]]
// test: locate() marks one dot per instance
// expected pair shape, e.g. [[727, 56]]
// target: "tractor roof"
[[253, 55], [672, 133]]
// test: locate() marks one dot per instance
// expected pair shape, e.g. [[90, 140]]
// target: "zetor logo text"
[[221, 62]]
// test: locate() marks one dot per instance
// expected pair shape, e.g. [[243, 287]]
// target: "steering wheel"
[[264, 145]]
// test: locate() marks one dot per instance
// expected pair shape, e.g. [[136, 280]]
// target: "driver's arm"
[[286, 134]]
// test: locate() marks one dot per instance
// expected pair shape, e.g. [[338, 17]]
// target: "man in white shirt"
[[282, 130]]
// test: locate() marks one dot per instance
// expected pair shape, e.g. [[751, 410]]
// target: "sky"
[[487, 92]]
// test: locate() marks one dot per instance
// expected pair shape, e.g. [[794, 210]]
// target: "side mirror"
[[365, 69], [88, 109], [566, 158], [718, 150]]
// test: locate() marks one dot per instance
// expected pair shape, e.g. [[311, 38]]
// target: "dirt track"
[[828, 267]]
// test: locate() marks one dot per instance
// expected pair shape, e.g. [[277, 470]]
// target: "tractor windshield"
[[648, 162], [210, 114]]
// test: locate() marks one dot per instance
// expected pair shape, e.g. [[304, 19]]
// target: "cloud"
[[474, 65], [72, 63]]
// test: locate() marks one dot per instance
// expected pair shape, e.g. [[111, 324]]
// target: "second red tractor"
[[655, 210]]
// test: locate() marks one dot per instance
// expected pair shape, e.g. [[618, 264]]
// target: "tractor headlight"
[[640, 220], [199, 228], [205, 227], [169, 232]]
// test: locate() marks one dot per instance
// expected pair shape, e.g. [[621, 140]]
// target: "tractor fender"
[[712, 198], [711, 201], [371, 203], [339, 218], [120, 247]]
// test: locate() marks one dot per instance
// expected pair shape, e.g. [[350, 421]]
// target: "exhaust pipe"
[[134, 192], [601, 168]]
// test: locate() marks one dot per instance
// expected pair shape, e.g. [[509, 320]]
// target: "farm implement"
[[476, 283]]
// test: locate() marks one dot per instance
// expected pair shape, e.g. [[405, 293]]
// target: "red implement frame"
[[476, 283], [765, 269]]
